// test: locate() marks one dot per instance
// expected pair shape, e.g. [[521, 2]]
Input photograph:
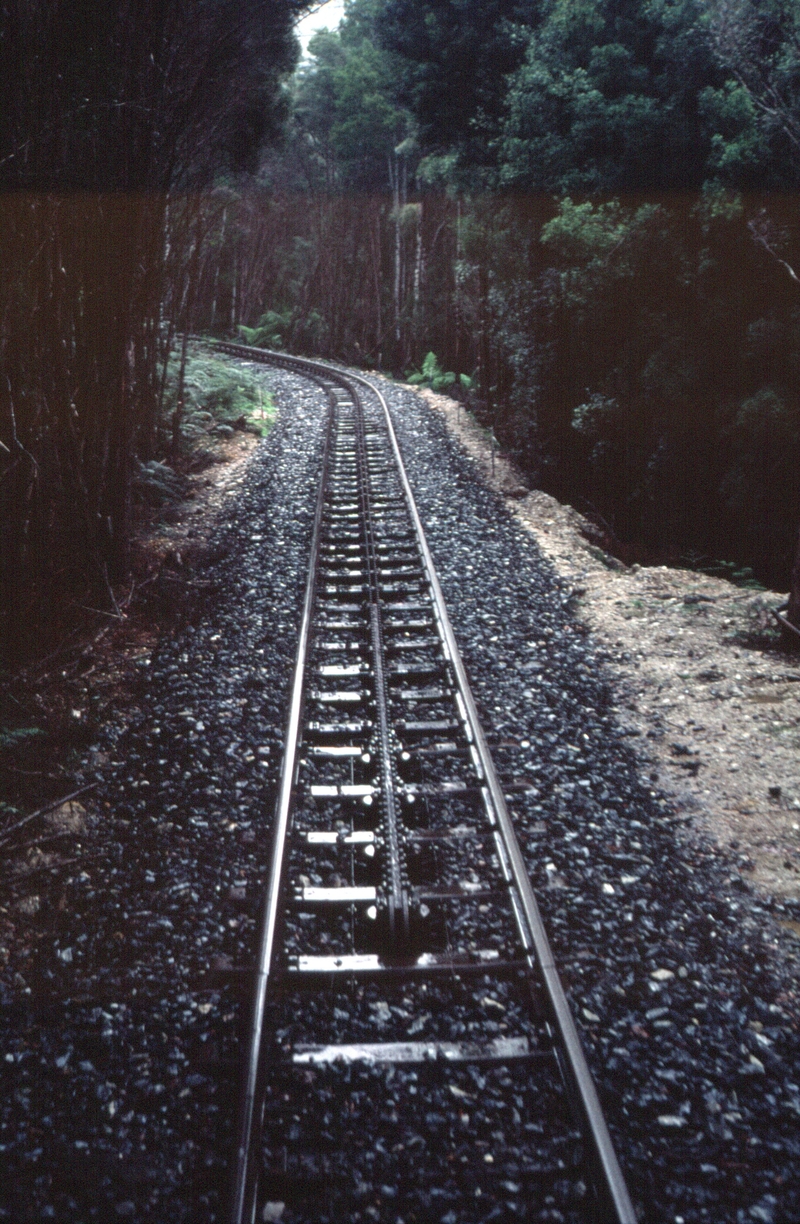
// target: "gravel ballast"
[[122, 1009]]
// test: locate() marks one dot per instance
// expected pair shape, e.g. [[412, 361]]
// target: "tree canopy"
[[587, 191]]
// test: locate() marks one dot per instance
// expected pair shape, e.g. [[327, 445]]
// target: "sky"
[[328, 14]]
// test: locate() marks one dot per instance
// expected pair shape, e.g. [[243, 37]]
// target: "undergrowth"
[[432, 375], [217, 396], [732, 571], [11, 737]]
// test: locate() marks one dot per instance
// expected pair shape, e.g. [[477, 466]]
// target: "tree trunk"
[[395, 185], [418, 269], [375, 248], [793, 611], [191, 294], [485, 372], [221, 249]]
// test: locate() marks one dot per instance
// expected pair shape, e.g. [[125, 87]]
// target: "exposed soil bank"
[[711, 702]]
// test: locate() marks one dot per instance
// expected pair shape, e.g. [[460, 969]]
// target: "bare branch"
[[42, 811], [761, 230]]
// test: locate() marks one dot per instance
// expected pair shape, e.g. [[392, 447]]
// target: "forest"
[[579, 216]]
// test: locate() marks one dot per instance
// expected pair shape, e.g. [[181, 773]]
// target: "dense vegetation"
[[113, 117], [591, 208], [586, 207]]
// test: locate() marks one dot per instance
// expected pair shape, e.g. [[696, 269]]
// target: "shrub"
[[432, 375], [216, 397], [270, 330]]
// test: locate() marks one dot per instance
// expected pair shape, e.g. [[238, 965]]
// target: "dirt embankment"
[[710, 700], [52, 709]]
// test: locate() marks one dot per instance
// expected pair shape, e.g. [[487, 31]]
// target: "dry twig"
[[42, 811]]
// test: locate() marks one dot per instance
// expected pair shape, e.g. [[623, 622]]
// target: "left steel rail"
[[244, 1189]]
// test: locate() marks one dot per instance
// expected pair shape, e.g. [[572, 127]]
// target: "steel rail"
[[615, 1199], [243, 1199], [593, 1117]]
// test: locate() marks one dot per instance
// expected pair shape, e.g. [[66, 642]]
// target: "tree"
[[452, 59], [553, 197], [760, 46], [359, 251], [105, 109], [607, 100]]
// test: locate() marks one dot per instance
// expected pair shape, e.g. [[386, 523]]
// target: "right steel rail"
[[537, 942]]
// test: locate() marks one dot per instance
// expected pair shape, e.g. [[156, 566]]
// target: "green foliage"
[[626, 304], [432, 375], [347, 103], [12, 737], [756, 113], [589, 234], [719, 204], [270, 330], [663, 311], [312, 331], [217, 394], [315, 98], [731, 571], [438, 170], [738, 146], [452, 61], [605, 99], [369, 124], [592, 418]]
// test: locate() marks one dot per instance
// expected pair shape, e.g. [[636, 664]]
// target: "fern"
[[269, 331], [739, 575], [432, 375]]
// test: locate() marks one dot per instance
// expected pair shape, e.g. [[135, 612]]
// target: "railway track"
[[411, 1052]]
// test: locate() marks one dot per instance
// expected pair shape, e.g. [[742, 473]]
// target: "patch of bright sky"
[[326, 16]]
